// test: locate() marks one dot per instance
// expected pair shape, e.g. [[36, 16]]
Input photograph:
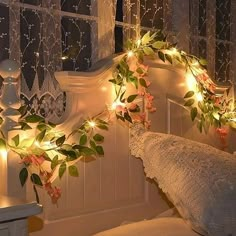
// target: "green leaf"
[[189, 103], [3, 145], [146, 38], [92, 144], [143, 82], [101, 126], [128, 117], [169, 58], [16, 140], [40, 136], [139, 70], [23, 176], [189, 94], [203, 62], [54, 162], [131, 98], [87, 151], [134, 81], [73, 171], [33, 118], [36, 179], [113, 81], [161, 55], [159, 44], [62, 169], [148, 51], [60, 140], [193, 113], [83, 139], [98, 138], [100, 150], [25, 126], [23, 110], [36, 193]]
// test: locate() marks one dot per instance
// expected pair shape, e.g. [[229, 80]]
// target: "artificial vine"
[[48, 153]]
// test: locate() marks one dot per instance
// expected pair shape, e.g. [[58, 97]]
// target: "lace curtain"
[[53, 35]]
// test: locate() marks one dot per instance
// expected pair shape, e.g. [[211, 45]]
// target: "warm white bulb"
[[130, 53], [64, 57], [191, 81], [3, 154], [199, 97], [115, 104], [92, 124]]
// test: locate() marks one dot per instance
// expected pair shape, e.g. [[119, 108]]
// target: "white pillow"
[[200, 180], [157, 227]]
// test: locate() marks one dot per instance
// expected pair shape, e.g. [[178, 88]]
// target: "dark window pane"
[[151, 13], [202, 47], [222, 62], [76, 44], [76, 6], [4, 34], [119, 10], [223, 19], [118, 39], [202, 17], [32, 2], [31, 46]]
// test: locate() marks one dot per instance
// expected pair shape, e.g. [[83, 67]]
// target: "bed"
[[115, 189]]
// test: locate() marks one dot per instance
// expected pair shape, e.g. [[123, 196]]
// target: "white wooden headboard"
[[114, 189]]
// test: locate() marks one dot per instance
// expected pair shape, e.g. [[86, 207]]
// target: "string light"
[[64, 57], [92, 124], [3, 154], [191, 81], [130, 53], [199, 97], [116, 104]]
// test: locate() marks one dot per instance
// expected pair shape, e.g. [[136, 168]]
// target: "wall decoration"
[[46, 153]]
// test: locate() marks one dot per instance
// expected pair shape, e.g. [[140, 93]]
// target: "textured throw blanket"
[[200, 180]]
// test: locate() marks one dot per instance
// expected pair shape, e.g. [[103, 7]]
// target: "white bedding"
[[166, 226]]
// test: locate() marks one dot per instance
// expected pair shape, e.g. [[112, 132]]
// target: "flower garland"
[[48, 153]]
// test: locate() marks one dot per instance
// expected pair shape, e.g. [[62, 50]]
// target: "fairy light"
[[115, 104], [3, 154], [191, 81], [64, 57], [130, 53], [199, 97], [92, 124]]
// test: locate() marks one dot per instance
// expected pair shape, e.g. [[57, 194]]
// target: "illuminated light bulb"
[[199, 97], [115, 104], [130, 53], [3, 154], [64, 57], [92, 124], [191, 81], [37, 54]]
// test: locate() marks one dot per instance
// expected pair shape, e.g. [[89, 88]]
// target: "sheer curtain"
[[48, 36], [54, 35]]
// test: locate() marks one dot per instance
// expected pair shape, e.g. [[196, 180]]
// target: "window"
[[211, 36]]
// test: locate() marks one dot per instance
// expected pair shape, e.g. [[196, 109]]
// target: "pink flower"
[[33, 159], [53, 192]]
